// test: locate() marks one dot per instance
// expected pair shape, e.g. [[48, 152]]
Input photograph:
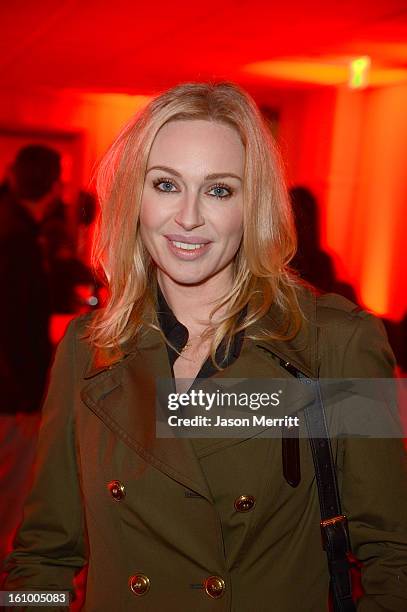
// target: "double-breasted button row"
[[214, 586], [244, 503], [117, 489], [139, 584]]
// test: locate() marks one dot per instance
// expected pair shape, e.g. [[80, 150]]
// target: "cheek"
[[150, 216], [233, 226], [147, 225]]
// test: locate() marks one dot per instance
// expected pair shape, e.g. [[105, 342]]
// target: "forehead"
[[198, 141]]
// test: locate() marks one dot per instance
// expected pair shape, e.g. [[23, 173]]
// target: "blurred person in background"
[[25, 350], [317, 267], [72, 285], [86, 292], [313, 264], [86, 216]]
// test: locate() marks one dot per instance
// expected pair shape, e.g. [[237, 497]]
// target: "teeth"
[[186, 246]]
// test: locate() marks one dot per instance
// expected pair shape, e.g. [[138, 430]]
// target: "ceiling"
[[142, 47]]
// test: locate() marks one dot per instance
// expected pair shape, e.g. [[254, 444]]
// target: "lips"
[[188, 254], [194, 239]]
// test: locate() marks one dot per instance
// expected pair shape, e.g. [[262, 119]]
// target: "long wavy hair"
[[261, 276]]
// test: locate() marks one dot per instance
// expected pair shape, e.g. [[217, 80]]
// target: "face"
[[191, 219]]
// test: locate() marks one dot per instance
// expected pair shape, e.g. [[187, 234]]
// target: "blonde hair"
[[261, 274]]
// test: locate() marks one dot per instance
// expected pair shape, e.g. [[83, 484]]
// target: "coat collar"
[[116, 393], [300, 351]]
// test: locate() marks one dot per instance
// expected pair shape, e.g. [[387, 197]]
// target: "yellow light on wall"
[[359, 69], [355, 73]]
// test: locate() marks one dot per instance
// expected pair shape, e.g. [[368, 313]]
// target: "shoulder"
[[345, 320], [350, 340], [75, 346], [89, 360], [334, 313]]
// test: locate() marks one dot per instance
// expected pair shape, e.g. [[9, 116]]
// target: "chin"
[[190, 278]]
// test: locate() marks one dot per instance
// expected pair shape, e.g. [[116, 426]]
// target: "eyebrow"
[[208, 177]]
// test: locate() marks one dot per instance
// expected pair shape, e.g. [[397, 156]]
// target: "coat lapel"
[[123, 397], [120, 393]]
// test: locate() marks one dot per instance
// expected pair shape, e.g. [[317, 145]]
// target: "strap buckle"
[[334, 532]]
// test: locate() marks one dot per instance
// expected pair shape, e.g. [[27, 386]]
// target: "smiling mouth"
[[188, 251], [186, 246]]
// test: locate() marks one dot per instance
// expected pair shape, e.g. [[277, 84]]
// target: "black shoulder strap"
[[334, 526]]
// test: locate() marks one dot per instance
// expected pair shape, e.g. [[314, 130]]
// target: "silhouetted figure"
[[65, 269], [25, 349], [89, 293], [86, 207], [312, 263], [72, 281], [316, 267], [25, 307]]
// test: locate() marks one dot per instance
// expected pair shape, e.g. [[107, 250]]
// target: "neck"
[[192, 304]]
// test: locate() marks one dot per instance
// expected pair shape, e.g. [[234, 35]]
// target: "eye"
[[165, 185], [221, 191]]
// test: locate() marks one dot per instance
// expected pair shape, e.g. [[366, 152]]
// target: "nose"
[[189, 213]]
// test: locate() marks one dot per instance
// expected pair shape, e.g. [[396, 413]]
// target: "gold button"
[[214, 586], [139, 584], [117, 490], [244, 503]]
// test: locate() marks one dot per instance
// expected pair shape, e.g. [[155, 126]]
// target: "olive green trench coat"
[[138, 506]]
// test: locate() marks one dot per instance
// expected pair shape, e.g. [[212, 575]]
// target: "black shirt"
[[177, 334]]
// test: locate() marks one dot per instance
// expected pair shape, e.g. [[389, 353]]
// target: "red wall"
[[346, 146]]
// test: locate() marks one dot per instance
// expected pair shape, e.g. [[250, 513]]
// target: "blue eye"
[[221, 191], [164, 185]]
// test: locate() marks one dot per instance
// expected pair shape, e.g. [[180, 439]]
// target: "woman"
[[194, 241]]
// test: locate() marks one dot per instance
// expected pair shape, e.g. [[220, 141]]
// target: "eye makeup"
[[219, 186], [225, 188], [163, 180]]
